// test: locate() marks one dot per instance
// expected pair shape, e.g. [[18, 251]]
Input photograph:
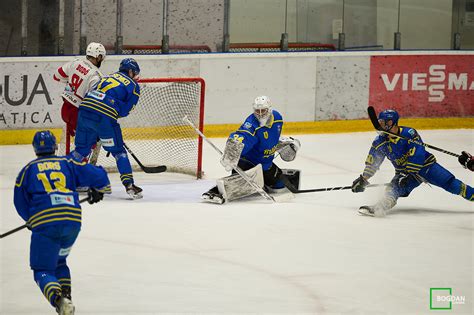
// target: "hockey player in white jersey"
[[80, 75]]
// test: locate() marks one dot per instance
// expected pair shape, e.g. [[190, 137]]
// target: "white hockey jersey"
[[80, 75]]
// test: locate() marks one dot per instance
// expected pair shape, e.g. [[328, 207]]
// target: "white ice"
[[171, 253]]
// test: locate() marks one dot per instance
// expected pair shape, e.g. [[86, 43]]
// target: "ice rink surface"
[[170, 253]]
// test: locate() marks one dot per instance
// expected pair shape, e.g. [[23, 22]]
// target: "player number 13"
[[56, 180]]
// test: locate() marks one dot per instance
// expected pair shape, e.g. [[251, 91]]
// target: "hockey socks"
[[49, 285]]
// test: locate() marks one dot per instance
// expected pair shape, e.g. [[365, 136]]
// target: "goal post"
[[155, 130]]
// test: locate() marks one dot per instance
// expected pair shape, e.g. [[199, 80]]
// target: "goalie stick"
[[260, 190], [146, 169], [25, 225], [375, 122]]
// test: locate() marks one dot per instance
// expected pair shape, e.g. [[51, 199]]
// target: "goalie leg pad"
[[235, 187]]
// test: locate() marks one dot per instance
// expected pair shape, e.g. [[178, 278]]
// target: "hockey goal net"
[[155, 131]]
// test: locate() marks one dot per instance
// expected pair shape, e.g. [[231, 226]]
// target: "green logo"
[[443, 299], [440, 299]]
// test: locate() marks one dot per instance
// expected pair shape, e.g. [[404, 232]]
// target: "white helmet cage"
[[95, 50], [262, 107]]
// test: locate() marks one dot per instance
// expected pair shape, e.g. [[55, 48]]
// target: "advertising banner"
[[423, 85], [29, 97]]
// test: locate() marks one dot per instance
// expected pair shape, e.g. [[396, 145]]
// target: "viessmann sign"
[[423, 85]]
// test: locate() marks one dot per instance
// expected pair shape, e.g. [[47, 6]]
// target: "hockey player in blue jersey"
[[45, 197], [115, 96], [413, 166], [253, 147]]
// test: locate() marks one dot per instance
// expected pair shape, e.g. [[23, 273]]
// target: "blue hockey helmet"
[[129, 64], [386, 116], [44, 142]]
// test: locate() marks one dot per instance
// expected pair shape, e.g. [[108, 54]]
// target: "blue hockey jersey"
[[406, 156], [260, 143], [45, 189], [114, 96]]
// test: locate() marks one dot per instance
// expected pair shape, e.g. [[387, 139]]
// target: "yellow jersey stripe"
[[56, 219], [92, 101], [377, 147], [96, 109], [54, 214], [105, 108], [241, 130], [54, 209]]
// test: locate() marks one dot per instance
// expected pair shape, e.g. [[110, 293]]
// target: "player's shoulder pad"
[[408, 132], [277, 116], [250, 124], [22, 173], [379, 139]]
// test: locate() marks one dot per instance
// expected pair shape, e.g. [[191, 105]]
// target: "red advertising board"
[[423, 85]]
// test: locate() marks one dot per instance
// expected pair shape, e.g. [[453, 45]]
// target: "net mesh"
[[155, 131]]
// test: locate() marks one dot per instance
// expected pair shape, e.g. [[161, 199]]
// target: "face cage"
[[261, 113]]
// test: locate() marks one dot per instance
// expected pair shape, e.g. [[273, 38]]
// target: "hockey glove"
[[466, 160], [359, 184], [287, 147], [94, 196]]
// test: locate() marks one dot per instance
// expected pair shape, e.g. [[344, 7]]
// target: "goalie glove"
[[231, 156], [466, 160], [287, 147]]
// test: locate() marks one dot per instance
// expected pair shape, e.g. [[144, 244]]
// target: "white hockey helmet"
[[95, 50], [262, 109]]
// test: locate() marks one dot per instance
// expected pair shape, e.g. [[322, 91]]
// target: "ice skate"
[[65, 306], [213, 197], [134, 191]]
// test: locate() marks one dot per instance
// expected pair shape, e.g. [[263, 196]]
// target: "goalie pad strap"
[[235, 187]]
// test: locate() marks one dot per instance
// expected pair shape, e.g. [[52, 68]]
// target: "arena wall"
[[307, 88]]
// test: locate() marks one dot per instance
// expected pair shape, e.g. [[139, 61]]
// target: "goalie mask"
[[262, 109]]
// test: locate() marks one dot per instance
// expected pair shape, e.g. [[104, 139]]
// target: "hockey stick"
[[25, 225], [302, 191], [259, 189], [375, 122], [146, 169]]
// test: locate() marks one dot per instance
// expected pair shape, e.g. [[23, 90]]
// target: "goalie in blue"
[[413, 166], [252, 148], [115, 96], [45, 197]]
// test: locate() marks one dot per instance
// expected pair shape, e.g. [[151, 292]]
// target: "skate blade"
[[135, 196], [365, 211], [217, 201]]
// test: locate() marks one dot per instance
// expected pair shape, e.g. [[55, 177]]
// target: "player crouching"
[[413, 166], [252, 148]]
